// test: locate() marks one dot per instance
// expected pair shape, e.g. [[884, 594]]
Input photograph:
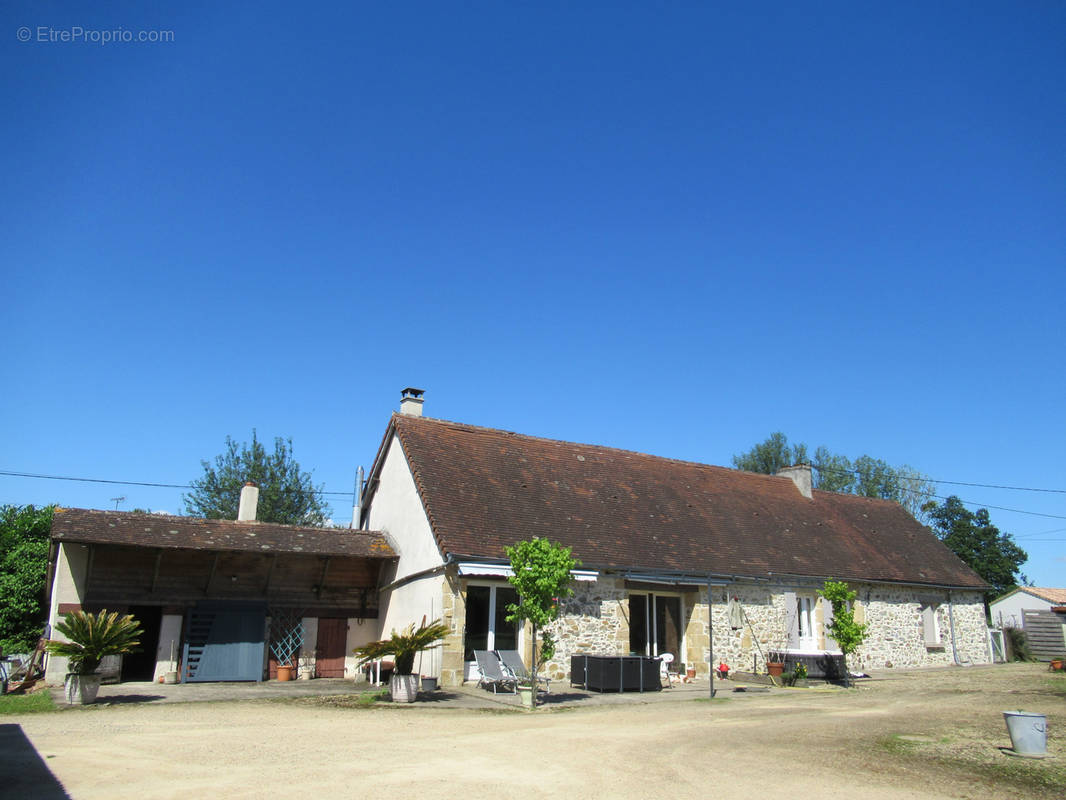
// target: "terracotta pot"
[[691, 673], [1056, 664], [775, 668], [284, 673]]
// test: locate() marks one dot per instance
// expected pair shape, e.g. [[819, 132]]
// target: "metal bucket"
[[1028, 732]]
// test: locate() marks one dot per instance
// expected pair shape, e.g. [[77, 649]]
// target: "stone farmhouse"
[[707, 563], [668, 549]]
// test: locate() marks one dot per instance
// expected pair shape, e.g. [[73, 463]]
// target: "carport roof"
[[87, 526]]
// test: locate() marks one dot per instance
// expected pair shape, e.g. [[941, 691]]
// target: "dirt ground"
[[921, 734]]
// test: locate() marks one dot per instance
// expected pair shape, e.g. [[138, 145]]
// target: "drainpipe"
[[710, 629], [951, 624], [357, 505]]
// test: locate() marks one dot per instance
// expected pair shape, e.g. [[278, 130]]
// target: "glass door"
[[655, 625], [487, 627]]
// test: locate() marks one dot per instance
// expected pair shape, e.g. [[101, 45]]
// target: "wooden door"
[[330, 650]]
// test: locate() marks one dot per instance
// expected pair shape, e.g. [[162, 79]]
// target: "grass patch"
[[898, 745], [1056, 682], [26, 703], [1034, 778], [360, 700]]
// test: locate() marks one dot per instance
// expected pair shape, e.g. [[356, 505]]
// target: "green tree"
[[770, 456], [915, 489], [848, 634], [875, 478], [286, 493], [24, 532], [832, 471], [972, 537], [541, 576]]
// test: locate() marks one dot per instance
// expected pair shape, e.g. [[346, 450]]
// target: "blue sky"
[[673, 230]]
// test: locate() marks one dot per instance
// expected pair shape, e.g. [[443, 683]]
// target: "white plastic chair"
[[665, 660]]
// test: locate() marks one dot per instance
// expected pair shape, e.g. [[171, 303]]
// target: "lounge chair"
[[491, 672], [513, 663]]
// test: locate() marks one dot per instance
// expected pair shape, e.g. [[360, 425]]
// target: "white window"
[[805, 622]]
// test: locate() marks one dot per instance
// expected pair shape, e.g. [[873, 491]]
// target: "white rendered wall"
[[68, 586], [396, 510], [169, 633], [360, 632], [1008, 611]]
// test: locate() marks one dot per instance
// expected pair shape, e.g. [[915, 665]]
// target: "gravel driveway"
[[920, 734]]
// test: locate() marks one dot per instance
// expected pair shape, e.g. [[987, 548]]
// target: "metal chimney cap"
[[411, 391]]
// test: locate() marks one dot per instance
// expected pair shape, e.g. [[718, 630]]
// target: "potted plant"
[[91, 638], [1057, 663], [403, 647], [286, 639], [307, 666]]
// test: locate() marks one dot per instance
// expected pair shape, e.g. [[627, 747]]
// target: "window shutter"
[[929, 625], [827, 620], [792, 619]]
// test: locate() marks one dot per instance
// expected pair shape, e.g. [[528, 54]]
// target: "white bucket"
[[1028, 732]]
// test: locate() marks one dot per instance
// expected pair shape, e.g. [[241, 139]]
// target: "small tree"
[[542, 579], [848, 633], [287, 494]]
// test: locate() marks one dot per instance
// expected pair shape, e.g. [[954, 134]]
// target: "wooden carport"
[[166, 567]]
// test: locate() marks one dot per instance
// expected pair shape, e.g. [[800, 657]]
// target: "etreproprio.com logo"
[[77, 34]]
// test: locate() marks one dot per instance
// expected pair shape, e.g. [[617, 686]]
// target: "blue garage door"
[[225, 642]]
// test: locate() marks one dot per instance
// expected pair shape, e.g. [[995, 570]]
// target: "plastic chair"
[[665, 660]]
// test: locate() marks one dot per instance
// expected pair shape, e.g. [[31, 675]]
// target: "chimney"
[[249, 502], [801, 476], [411, 401]]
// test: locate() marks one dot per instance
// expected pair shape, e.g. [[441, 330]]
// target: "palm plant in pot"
[[403, 647], [91, 638]]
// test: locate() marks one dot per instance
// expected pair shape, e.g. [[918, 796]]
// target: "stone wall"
[[896, 637], [596, 621], [453, 605]]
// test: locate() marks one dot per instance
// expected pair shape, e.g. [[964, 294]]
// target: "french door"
[[487, 627], [655, 625]]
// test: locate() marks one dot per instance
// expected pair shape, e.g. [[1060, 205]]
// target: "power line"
[[15, 474], [842, 471], [133, 483]]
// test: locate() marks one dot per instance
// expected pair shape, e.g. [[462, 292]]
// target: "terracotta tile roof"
[[190, 533], [484, 489], [1057, 596]]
